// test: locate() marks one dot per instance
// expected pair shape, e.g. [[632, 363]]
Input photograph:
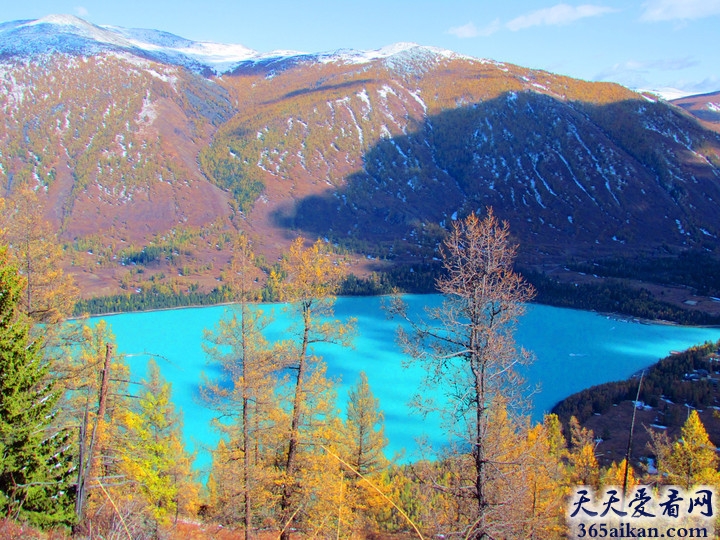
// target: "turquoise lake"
[[573, 350]]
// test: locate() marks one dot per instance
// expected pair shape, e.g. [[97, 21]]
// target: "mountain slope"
[[705, 107], [110, 141], [384, 151], [139, 138]]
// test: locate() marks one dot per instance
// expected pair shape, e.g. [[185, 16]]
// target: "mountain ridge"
[[73, 35], [132, 148]]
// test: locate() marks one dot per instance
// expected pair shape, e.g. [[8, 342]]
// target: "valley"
[[310, 201], [133, 152]]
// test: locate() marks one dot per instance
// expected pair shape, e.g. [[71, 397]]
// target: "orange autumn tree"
[[95, 378], [583, 467], [360, 451], [244, 398], [152, 458], [467, 349], [543, 509], [690, 460], [309, 280], [50, 294]]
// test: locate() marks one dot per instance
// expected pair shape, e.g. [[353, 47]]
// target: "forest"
[[610, 296], [88, 452], [668, 379]]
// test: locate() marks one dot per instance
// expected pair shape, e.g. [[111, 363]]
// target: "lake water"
[[573, 349]]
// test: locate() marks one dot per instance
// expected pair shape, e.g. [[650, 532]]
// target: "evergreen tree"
[[35, 475]]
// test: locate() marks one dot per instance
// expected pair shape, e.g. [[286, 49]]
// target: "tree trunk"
[[86, 468], [295, 423]]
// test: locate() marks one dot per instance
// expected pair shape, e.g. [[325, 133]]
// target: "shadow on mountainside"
[[572, 179]]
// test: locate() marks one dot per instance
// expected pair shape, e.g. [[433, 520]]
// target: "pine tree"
[[35, 471]]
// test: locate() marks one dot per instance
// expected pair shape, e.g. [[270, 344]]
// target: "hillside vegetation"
[[378, 156], [96, 452]]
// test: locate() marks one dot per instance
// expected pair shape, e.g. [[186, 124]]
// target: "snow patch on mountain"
[[73, 35], [668, 94], [349, 56]]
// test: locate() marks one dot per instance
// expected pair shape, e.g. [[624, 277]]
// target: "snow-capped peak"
[[70, 24], [389, 51], [61, 20], [217, 56], [73, 35]]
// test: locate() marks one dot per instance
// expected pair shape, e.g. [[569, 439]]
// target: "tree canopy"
[[35, 462]]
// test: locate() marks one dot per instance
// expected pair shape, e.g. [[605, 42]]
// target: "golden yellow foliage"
[[50, 294], [690, 460]]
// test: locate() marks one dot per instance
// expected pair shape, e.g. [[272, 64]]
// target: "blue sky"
[[646, 44]]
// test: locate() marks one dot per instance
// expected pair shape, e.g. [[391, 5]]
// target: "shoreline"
[[113, 313], [612, 315]]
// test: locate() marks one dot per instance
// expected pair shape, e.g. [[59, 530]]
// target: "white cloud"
[[557, 15], [469, 30], [633, 69], [81, 11], [466, 31], [669, 10], [710, 84], [648, 74]]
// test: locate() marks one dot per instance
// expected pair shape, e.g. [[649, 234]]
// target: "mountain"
[[67, 34], [143, 141], [669, 389], [705, 107]]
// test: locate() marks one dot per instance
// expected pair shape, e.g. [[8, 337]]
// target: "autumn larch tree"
[[50, 294], [153, 458], [364, 439], [583, 465], [468, 350], [96, 381], [690, 460], [543, 482], [245, 393], [361, 453], [311, 278]]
